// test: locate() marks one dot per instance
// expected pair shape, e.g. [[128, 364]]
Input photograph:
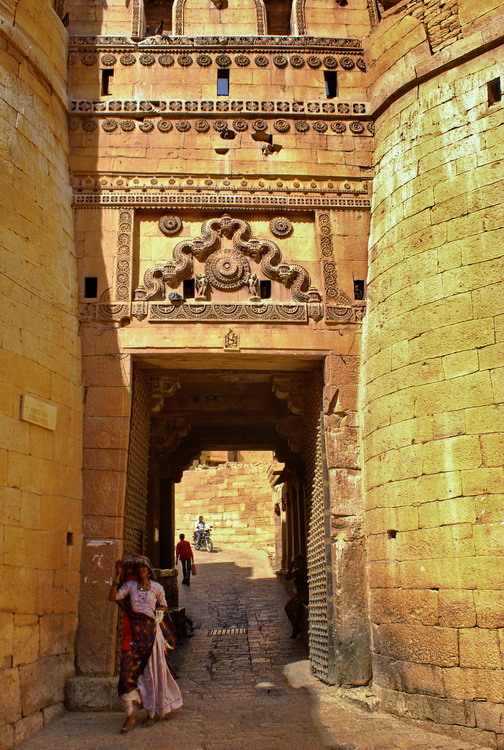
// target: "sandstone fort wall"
[[432, 378], [286, 159], [40, 462]]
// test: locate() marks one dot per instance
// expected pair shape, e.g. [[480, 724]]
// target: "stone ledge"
[[92, 694]]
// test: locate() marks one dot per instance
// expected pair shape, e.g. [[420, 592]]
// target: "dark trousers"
[[186, 570]]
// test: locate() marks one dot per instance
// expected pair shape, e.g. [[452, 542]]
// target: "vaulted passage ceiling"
[[225, 410]]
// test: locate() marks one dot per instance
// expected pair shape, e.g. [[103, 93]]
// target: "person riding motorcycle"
[[199, 528]]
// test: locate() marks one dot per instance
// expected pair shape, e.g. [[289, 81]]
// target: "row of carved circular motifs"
[[171, 224], [223, 61], [206, 105], [110, 125]]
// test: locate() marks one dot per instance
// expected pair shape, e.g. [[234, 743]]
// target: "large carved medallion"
[[227, 270]]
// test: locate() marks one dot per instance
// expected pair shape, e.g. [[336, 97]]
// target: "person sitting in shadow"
[[294, 608]]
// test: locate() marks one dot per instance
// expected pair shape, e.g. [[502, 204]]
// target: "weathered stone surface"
[[42, 683], [28, 726], [92, 694], [10, 707], [26, 639]]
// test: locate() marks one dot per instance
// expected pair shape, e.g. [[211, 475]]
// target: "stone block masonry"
[[40, 460], [433, 421], [235, 498]]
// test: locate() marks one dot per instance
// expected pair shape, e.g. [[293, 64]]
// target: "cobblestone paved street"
[[224, 707]]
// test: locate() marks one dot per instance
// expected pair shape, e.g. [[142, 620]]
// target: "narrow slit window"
[[106, 75], [494, 91], [331, 83], [188, 289], [265, 289], [90, 287], [222, 82], [359, 288]]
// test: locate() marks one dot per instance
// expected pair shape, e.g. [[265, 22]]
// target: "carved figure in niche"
[[253, 285], [201, 284], [231, 341]]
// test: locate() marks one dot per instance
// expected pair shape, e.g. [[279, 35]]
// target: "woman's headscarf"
[[135, 560]]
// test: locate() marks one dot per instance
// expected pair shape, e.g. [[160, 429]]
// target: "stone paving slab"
[[223, 707]]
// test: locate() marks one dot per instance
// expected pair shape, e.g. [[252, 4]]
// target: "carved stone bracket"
[[162, 388], [291, 389], [167, 433], [292, 430]]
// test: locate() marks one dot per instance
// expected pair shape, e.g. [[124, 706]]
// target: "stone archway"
[[191, 411], [288, 403]]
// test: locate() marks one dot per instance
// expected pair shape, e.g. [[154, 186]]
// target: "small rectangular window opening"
[[391, 533], [222, 82], [106, 75], [90, 287], [494, 91], [188, 289], [69, 539], [359, 288], [265, 289], [331, 83]]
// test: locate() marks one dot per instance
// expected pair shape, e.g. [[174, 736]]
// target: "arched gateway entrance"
[[195, 410], [222, 341]]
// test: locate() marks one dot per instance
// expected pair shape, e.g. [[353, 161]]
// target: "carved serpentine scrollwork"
[[228, 269]]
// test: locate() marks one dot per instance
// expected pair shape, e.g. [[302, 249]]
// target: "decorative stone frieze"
[[168, 192], [202, 126], [331, 44], [259, 312], [204, 60], [226, 269], [176, 105]]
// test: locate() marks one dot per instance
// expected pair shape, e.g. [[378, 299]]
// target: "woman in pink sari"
[[145, 678]]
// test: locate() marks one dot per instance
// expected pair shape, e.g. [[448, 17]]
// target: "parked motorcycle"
[[205, 541]]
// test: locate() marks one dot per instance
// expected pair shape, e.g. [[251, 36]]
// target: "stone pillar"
[[166, 523], [352, 658], [106, 434], [153, 511]]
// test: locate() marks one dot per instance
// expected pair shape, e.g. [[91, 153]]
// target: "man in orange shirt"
[[184, 553]]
